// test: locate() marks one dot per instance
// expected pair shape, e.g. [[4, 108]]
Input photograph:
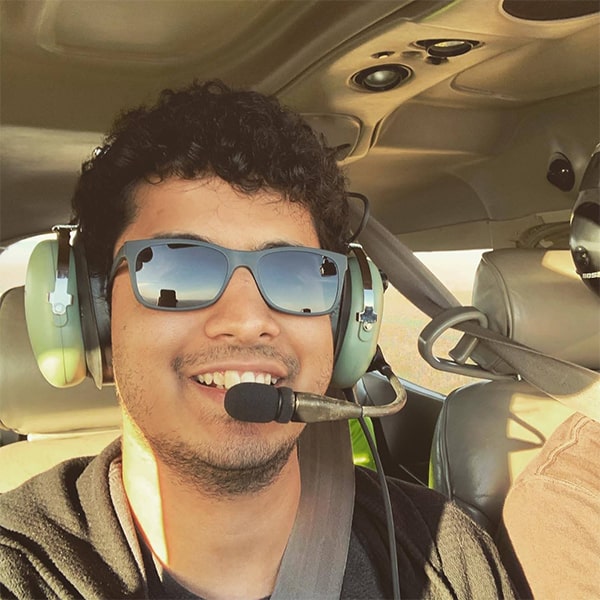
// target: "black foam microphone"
[[260, 403]]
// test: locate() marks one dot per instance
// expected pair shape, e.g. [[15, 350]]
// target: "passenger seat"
[[487, 432]]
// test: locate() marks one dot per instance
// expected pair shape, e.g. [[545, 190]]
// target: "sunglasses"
[[182, 274]]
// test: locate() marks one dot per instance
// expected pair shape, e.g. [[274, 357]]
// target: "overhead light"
[[438, 48], [382, 77], [382, 54]]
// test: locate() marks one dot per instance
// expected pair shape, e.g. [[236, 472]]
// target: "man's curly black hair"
[[205, 130]]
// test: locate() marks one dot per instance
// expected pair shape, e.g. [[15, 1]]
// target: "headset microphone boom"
[[260, 403]]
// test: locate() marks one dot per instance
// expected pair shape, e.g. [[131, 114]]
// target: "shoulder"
[[57, 493], [419, 511], [410, 501], [562, 482], [49, 494], [547, 529], [49, 526], [569, 458], [441, 550]]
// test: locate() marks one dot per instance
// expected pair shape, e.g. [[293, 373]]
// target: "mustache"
[[229, 352]]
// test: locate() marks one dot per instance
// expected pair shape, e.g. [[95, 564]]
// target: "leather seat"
[[488, 431]]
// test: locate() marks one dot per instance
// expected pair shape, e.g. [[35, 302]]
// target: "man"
[[192, 503]]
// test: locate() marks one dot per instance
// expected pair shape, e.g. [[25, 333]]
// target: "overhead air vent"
[[447, 48], [560, 172]]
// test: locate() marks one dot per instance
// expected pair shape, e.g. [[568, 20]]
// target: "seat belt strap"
[[314, 561], [571, 384]]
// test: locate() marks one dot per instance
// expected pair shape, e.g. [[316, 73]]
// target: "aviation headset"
[[68, 317], [584, 238]]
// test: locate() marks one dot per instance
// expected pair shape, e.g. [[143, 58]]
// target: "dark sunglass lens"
[[300, 282], [180, 275]]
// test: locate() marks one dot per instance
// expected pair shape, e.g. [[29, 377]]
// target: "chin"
[[244, 459]]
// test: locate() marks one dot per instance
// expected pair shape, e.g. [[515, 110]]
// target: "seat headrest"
[[535, 297], [28, 404]]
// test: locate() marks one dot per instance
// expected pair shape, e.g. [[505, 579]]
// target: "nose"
[[241, 315]]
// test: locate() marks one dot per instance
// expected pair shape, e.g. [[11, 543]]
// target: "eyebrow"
[[199, 238]]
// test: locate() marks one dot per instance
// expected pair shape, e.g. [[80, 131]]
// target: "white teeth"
[[231, 378], [227, 379]]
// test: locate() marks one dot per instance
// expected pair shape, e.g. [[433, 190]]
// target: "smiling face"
[[172, 368]]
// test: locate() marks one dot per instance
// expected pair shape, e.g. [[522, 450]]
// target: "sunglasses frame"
[[130, 251]]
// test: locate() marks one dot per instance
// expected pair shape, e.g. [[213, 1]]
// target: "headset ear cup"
[[95, 319], [356, 342], [56, 339]]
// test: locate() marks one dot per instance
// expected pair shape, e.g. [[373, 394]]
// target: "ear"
[[52, 313], [359, 322]]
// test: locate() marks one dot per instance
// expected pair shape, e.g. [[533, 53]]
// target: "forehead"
[[212, 209]]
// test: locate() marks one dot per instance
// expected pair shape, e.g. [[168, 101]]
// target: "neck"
[[217, 547]]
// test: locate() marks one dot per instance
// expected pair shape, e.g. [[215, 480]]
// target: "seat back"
[[50, 424], [487, 432]]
